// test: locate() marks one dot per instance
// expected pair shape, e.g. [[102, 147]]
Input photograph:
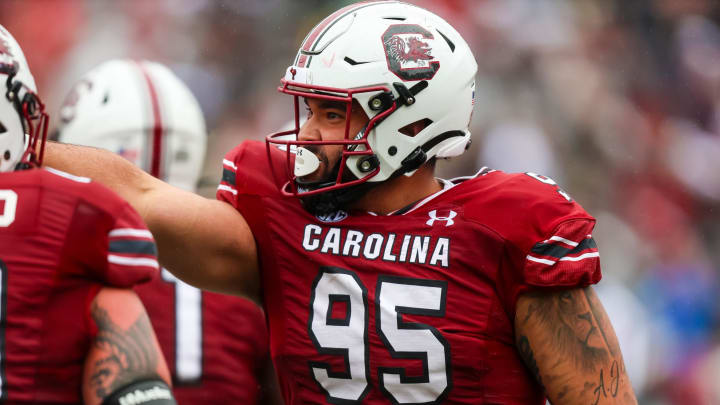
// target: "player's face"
[[326, 122]]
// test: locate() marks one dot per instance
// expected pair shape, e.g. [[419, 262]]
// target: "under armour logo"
[[448, 219]]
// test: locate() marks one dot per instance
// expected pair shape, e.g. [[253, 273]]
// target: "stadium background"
[[618, 101]]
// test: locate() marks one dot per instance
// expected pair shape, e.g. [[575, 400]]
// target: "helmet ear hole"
[[2, 128], [414, 128]]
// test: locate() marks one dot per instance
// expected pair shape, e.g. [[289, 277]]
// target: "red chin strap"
[[287, 181]]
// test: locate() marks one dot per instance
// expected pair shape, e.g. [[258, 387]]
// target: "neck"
[[399, 192]]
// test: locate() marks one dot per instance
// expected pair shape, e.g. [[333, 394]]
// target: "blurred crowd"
[[618, 101]]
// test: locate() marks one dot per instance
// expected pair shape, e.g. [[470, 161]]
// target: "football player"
[[71, 329], [215, 344], [382, 283]]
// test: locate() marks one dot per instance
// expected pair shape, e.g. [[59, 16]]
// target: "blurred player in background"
[[216, 345], [67, 335]]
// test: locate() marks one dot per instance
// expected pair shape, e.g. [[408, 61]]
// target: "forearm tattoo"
[[128, 355], [576, 351], [575, 333], [528, 357]]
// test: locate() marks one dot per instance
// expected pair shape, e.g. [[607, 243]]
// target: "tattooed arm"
[[566, 340], [125, 349]]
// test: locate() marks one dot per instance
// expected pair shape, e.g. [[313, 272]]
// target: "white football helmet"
[[404, 65], [23, 122], [141, 111]]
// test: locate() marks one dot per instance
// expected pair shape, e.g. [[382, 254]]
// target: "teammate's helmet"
[[21, 111], [404, 66], [141, 111]]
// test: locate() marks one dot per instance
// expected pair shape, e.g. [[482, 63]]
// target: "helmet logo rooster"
[[408, 51]]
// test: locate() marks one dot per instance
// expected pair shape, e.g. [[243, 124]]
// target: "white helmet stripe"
[[314, 37]]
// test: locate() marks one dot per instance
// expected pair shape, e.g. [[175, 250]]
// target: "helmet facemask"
[[34, 121], [336, 185]]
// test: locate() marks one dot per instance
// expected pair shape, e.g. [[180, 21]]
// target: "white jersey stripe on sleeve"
[[581, 257], [224, 187], [69, 176], [229, 164], [564, 259], [141, 233], [539, 260], [563, 240], [133, 261]]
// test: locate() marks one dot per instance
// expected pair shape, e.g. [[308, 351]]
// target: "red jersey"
[[61, 239], [214, 344], [415, 307]]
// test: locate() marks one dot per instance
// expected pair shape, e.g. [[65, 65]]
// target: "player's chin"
[[318, 176]]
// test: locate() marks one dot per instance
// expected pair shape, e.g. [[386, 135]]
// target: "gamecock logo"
[[408, 52], [8, 64], [69, 106], [416, 49]]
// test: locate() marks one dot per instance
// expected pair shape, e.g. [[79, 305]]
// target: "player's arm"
[[204, 242], [569, 345], [125, 356]]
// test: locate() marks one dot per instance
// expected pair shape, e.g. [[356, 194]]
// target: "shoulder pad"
[[523, 208]]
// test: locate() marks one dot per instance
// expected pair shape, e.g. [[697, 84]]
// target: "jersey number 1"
[[188, 330], [348, 336]]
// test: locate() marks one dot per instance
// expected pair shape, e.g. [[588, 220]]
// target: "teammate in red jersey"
[[71, 330], [216, 344], [382, 283]]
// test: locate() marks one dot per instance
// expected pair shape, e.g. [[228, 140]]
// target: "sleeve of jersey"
[[131, 251], [567, 257], [247, 171], [227, 191]]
